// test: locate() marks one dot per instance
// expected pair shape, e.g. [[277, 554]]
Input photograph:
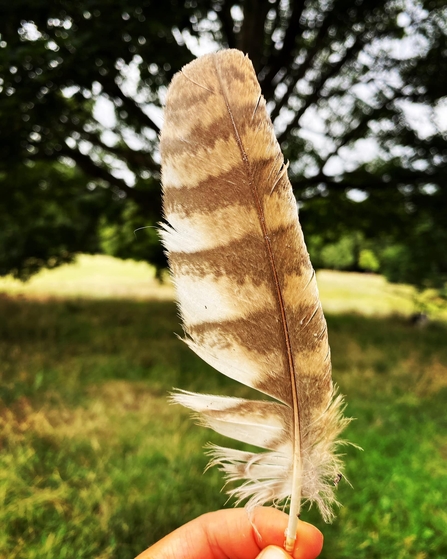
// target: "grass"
[[95, 464], [104, 277], [92, 277]]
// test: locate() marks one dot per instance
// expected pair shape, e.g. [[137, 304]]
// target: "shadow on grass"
[[96, 464]]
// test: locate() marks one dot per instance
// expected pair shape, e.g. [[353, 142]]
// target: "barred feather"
[[246, 289]]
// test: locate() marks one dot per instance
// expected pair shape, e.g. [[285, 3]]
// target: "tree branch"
[[224, 15], [112, 89], [360, 128], [351, 52], [274, 5], [95, 171], [251, 38], [136, 158], [301, 71], [370, 182], [284, 57]]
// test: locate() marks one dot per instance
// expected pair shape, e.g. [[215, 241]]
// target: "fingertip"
[[309, 541], [273, 552], [269, 525]]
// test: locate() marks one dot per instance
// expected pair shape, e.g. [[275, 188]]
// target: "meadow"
[[94, 463]]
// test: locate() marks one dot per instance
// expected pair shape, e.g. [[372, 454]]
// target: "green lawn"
[[102, 277], [92, 277], [96, 464]]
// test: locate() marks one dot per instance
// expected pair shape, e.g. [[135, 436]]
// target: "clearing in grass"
[[96, 464]]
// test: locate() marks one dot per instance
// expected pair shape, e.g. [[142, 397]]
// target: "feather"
[[246, 289]]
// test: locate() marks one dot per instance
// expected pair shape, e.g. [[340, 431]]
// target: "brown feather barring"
[[246, 289]]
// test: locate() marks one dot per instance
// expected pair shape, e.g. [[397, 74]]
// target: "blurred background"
[[93, 461]]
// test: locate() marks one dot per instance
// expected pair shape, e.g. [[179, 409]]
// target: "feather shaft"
[[246, 289]]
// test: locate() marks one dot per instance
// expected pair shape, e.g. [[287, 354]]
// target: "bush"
[[368, 261], [340, 255]]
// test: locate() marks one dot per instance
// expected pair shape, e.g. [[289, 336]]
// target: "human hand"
[[229, 534]]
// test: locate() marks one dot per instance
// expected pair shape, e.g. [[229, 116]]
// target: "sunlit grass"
[[95, 463], [106, 277], [367, 294], [97, 276]]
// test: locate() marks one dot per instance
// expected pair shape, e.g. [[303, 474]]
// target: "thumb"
[[273, 552]]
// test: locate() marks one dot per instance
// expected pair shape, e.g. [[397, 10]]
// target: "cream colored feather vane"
[[246, 289]]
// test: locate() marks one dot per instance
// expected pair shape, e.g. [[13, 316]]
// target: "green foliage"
[[337, 79], [351, 252], [402, 261], [368, 260], [47, 220], [124, 237], [95, 463], [396, 262], [339, 256]]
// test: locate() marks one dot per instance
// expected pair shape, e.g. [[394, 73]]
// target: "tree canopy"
[[357, 91]]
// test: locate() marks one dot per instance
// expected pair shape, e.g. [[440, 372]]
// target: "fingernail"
[[273, 552]]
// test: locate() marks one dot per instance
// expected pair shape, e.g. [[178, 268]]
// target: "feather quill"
[[246, 289]]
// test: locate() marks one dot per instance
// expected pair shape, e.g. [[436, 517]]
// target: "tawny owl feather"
[[246, 289]]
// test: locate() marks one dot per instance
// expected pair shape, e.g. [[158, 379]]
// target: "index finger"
[[232, 534]]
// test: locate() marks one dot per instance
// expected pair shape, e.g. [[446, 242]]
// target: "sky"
[[312, 126]]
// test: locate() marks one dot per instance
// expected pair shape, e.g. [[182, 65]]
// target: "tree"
[[345, 81]]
